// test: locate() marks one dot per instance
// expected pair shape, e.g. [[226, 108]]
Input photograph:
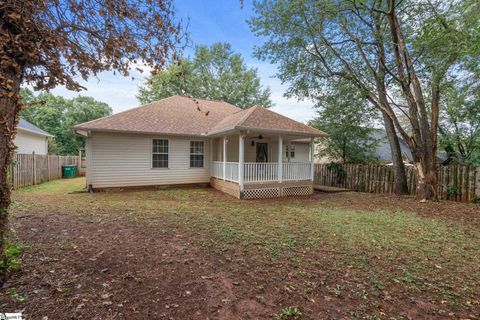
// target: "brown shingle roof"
[[173, 115], [190, 116], [259, 118]]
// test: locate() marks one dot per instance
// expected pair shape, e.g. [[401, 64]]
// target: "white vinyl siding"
[[302, 152], [118, 160], [27, 142]]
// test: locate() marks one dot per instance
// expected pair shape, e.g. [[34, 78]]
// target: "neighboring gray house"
[[31, 138], [383, 152]]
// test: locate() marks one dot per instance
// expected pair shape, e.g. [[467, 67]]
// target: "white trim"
[[241, 160], [36, 132], [280, 158], [312, 157], [224, 158], [168, 154], [190, 154]]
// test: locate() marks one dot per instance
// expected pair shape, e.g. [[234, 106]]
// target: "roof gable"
[[27, 126], [260, 118]]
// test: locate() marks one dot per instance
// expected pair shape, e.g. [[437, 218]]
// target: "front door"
[[262, 152]]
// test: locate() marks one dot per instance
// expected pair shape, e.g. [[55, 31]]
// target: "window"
[[290, 149], [160, 153], [196, 154]]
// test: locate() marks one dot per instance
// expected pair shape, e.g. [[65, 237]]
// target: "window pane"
[[196, 147], [196, 161], [196, 154], [160, 160], [160, 146]]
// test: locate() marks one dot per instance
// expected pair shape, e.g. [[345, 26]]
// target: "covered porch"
[[258, 153], [254, 164]]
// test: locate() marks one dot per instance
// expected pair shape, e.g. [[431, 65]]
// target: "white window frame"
[[167, 153], [196, 154], [287, 149]]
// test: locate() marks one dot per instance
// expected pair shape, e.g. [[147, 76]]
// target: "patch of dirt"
[[117, 271], [458, 211]]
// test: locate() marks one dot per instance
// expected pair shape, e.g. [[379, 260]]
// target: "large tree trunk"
[[10, 105], [401, 186], [427, 181], [423, 140]]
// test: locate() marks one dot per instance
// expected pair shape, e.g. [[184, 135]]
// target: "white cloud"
[[298, 110], [118, 91], [290, 107]]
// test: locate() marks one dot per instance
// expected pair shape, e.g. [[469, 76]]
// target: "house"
[[251, 153], [31, 138], [382, 152]]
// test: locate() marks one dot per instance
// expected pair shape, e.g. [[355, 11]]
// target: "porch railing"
[[297, 171], [262, 172], [216, 170], [259, 172], [231, 170]]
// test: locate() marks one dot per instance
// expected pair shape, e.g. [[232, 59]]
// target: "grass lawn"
[[195, 253]]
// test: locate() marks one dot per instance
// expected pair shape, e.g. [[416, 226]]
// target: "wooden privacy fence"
[[456, 182], [30, 169]]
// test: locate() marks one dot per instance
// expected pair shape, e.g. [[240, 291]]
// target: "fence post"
[[34, 168], [48, 168], [477, 182], [13, 164]]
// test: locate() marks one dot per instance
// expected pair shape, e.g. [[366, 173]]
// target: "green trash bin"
[[69, 171]]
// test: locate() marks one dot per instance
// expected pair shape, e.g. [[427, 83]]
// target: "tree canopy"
[[345, 114], [58, 115], [460, 121], [397, 53], [214, 72]]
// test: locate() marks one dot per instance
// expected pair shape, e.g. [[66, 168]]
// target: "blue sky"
[[208, 22]]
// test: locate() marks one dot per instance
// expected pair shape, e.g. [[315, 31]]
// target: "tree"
[[80, 110], [214, 72], [392, 51], [345, 114], [50, 43], [459, 126], [58, 115], [45, 111]]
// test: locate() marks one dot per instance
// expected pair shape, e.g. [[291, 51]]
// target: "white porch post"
[[224, 157], [280, 158], [241, 156], [312, 156]]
